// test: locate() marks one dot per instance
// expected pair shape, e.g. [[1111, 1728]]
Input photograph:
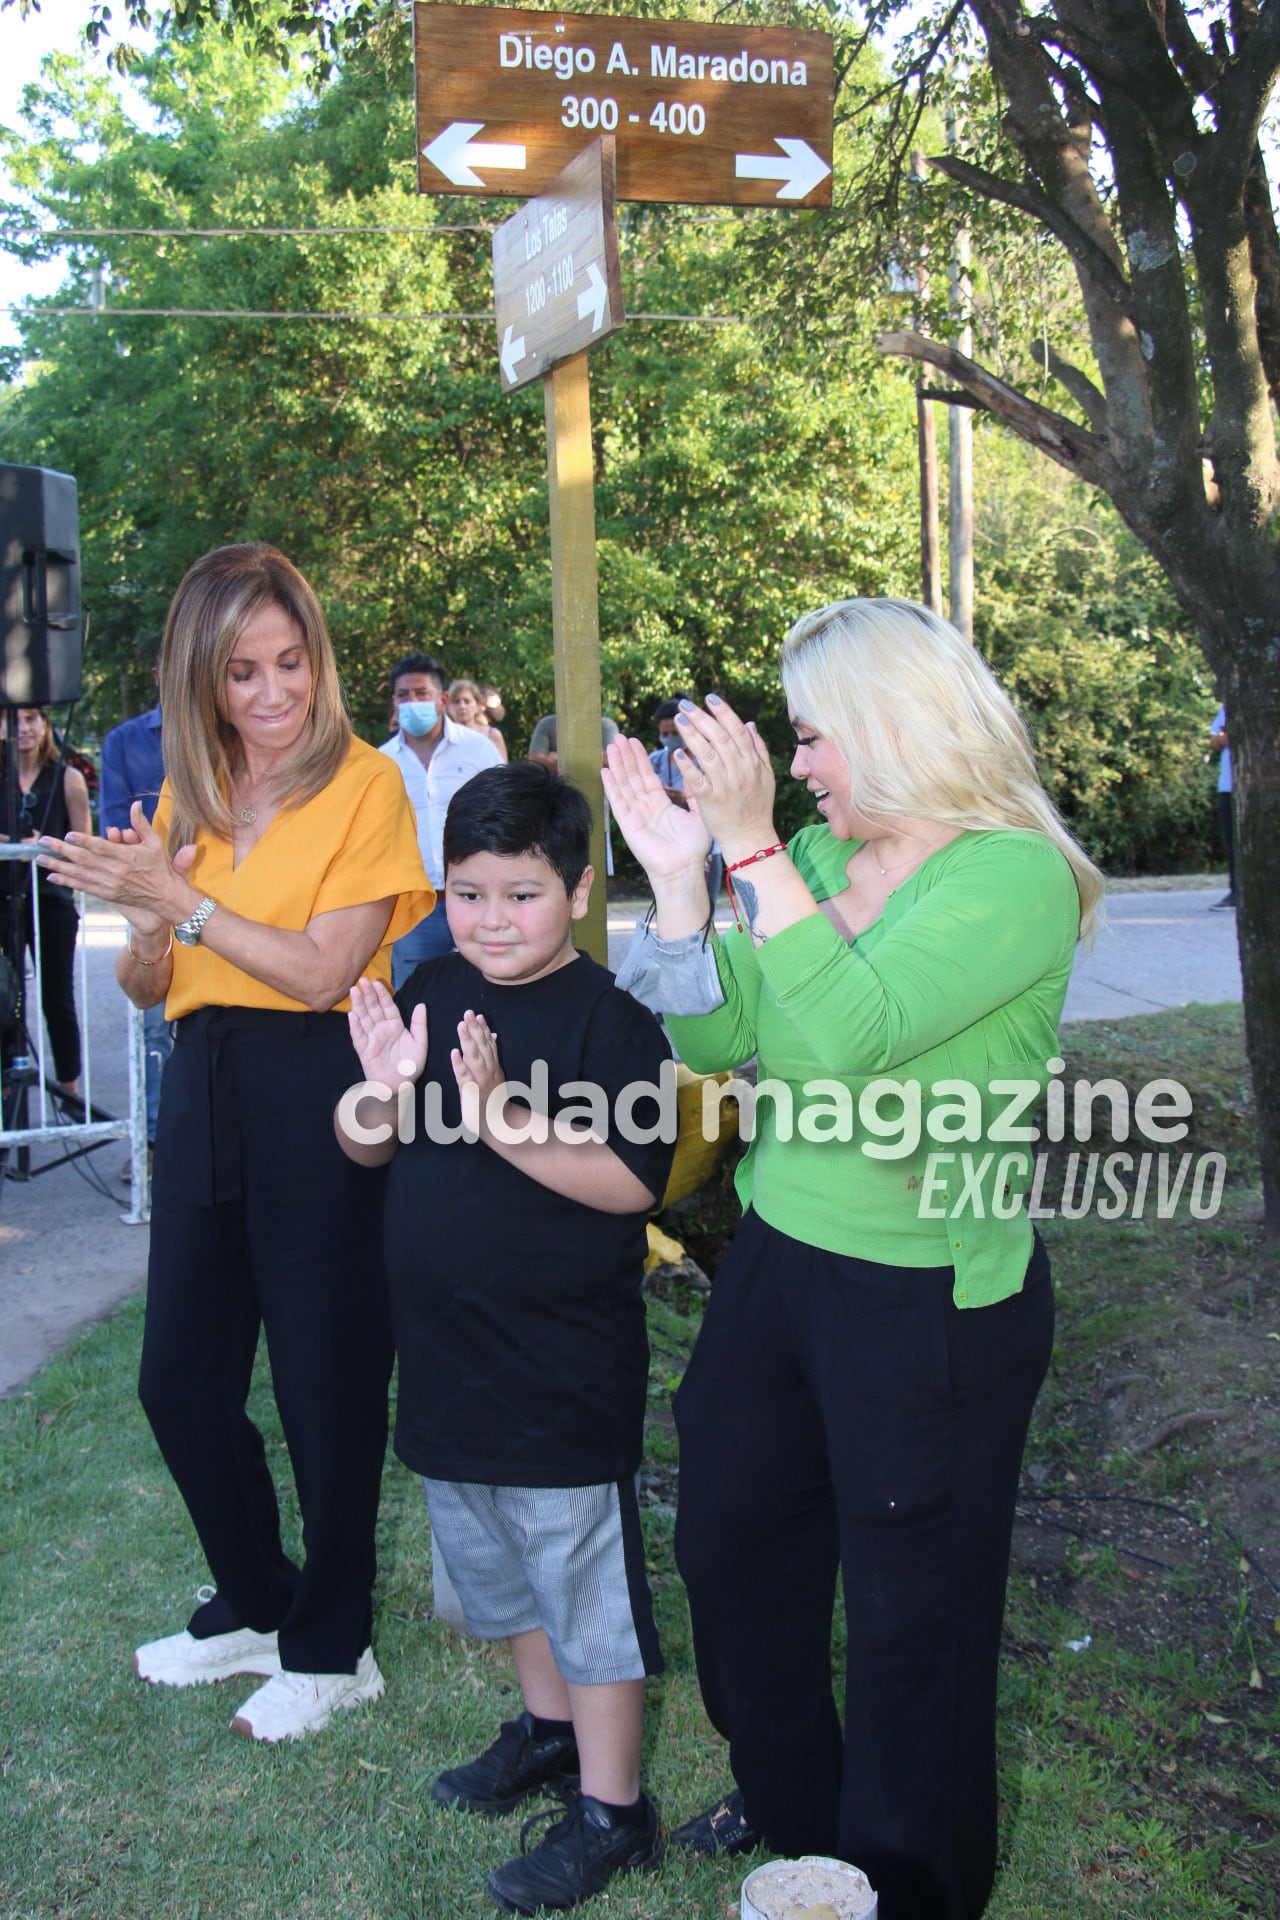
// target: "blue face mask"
[[417, 716]]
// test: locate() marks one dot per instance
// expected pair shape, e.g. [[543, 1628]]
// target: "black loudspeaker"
[[40, 553]]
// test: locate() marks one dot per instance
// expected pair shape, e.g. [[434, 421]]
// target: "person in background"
[[53, 798], [542, 745], [1219, 743], [435, 756], [666, 765], [467, 708], [281, 864], [860, 1392], [542, 752], [133, 769], [494, 710]]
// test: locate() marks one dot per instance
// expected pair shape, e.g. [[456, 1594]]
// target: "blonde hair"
[[217, 599], [926, 730]]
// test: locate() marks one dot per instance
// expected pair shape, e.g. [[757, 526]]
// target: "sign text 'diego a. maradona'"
[[719, 115]]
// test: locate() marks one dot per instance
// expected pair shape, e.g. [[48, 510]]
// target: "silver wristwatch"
[[189, 931]]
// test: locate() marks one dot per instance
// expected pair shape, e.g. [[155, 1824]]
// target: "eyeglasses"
[[27, 811]]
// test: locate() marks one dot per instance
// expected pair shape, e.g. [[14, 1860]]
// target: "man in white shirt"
[[435, 757]]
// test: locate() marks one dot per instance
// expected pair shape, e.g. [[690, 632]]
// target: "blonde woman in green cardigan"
[[860, 1394]]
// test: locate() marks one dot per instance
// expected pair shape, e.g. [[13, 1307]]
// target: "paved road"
[[67, 1257]]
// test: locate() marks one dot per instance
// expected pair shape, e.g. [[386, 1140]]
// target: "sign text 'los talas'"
[[721, 115], [557, 285]]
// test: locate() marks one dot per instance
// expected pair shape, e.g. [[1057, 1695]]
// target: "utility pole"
[[960, 495], [930, 522]]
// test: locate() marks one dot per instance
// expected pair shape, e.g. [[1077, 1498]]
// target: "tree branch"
[[1200, 68], [1149, 217], [1074, 447], [1133, 60], [1031, 199], [1264, 255], [1091, 402], [1035, 124], [1241, 98]]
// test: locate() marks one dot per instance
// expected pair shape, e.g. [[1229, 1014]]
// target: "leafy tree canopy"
[[735, 483]]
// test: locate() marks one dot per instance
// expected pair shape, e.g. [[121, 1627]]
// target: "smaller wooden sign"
[[557, 286]]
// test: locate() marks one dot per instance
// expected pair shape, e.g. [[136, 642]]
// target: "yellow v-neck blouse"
[[356, 841]]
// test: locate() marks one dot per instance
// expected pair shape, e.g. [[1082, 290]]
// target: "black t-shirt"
[[518, 1315]]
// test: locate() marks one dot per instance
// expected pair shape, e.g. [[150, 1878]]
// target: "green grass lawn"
[[1138, 1777]]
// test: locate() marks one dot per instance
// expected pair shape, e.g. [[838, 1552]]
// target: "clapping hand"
[[389, 1052], [475, 1058], [666, 839], [130, 869], [728, 776]]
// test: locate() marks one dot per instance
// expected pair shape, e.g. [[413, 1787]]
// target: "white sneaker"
[[292, 1704], [183, 1661]]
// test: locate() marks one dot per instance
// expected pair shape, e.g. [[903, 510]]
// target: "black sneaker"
[[577, 1857], [722, 1829], [506, 1773]]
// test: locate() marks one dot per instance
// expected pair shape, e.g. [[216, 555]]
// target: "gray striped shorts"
[[567, 1559]]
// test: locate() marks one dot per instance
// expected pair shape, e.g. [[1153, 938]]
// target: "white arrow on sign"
[[512, 353], [455, 152], [595, 299], [799, 172]]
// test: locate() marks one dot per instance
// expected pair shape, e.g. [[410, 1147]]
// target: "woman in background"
[[467, 708], [54, 799]]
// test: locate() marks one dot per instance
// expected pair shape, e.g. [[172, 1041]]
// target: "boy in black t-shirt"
[[521, 1338]]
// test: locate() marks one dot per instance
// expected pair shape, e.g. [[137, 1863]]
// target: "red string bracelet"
[[761, 853]]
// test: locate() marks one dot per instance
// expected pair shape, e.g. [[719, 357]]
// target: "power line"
[[234, 233], [246, 313]]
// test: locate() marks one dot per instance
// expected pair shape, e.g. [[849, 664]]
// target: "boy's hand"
[[475, 1058], [388, 1051]]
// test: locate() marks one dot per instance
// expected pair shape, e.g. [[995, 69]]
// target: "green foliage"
[[736, 484], [1078, 623], [744, 471]]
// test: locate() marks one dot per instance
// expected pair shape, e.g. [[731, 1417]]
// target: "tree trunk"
[[1243, 647]]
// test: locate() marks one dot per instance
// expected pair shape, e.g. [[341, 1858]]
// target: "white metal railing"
[[24, 1083]]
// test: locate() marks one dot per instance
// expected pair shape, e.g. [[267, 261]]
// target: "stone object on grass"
[[811, 1888]]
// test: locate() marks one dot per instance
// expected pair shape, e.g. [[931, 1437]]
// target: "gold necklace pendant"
[[898, 865], [248, 815]]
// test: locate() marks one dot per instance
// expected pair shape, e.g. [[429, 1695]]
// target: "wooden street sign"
[[557, 285], [717, 115]]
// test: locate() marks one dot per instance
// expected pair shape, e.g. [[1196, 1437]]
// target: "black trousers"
[[260, 1221], [840, 1415], [59, 925]]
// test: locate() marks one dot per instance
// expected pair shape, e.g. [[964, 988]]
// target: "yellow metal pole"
[[576, 615]]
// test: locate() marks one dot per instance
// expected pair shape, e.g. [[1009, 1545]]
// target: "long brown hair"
[[217, 599], [48, 745]]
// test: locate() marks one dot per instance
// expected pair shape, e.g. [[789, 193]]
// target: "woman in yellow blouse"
[[282, 863]]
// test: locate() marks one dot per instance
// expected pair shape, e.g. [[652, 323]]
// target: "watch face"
[[188, 931]]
